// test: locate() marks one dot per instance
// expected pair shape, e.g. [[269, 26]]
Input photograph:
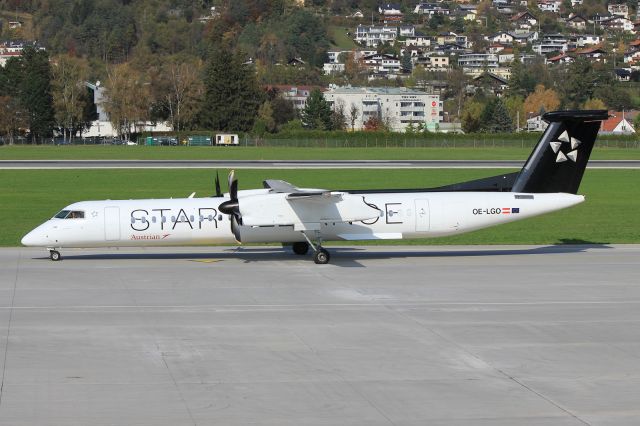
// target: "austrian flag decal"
[[510, 210]]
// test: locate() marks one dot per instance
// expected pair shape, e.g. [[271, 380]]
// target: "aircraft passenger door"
[[422, 215], [112, 223]]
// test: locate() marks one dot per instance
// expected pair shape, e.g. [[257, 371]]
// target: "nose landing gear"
[[54, 255]]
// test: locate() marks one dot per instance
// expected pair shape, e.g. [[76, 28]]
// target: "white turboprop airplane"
[[306, 217]]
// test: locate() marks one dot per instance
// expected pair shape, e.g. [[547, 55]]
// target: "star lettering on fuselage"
[[567, 154]]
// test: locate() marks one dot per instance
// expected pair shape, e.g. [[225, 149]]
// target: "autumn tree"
[[594, 103], [541, 99], [126, 98], [178, 89], [69, 93], [12, 118], [354, 112]]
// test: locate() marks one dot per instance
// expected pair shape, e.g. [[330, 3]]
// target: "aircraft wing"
[[276, 185]]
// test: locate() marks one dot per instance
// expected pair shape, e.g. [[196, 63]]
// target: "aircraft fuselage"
[[190, 221]]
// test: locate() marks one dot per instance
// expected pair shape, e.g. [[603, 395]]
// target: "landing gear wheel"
[[54, 255], [321, 257], [300, 248]]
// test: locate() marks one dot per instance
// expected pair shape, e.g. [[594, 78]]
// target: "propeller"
[[232, 206], [218, 191]]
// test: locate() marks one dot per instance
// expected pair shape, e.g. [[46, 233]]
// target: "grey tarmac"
[[384, 335], [291, 164]]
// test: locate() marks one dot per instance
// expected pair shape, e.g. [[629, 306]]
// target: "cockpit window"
[[70, 214], [63, 214]]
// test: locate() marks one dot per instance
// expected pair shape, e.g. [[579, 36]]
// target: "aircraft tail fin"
[[559, 159]]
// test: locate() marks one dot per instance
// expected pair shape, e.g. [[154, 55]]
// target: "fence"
[[393, 141]]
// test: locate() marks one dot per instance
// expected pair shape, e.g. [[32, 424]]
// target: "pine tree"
[[232, 96], [495, 117], [317, 112], [405, 61], [35, 92]]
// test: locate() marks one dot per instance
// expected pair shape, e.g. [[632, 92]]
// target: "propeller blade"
[[218, 191], [233, 185], [235, 229]]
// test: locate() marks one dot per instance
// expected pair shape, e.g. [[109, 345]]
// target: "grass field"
[[111, 152], [29, 197], [340, 39]]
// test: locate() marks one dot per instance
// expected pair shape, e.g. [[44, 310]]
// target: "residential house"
[[577, 22], [14, 25], [503, 37], [297, 95], [407, 30], [524, 20], [468, 12], [384, 64], [618, 23], [490, 83], [622, 74], [418, 40], [562, 58], [551, 43], [524, 38], [451, 38], [390, 12], [583, 40], [621, 9], [575, 3], [437, 62], [549, 5], [618, 123], [356, 15], [372, 35], [431, 9], [536, 124], [478, 61], [333, 68], [593, 54]]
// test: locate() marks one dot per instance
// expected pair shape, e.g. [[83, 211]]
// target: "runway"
[[290, 164], [395, 335]]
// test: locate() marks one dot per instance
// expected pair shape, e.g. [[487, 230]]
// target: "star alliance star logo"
[[563, 156], [94, 214]]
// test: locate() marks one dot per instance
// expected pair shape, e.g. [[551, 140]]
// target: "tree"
[[178, 89], [232, 96], [594, 103], [283, 110], [317, 112], [11, 117], [34, 92], [495, 117], [69, 93], [338, 116], [470, 116], [353, 116], [515, 106], [265, 116], [126, 98], [405, 61], [541, 100]]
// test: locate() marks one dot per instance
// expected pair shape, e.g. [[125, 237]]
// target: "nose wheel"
[[54, 255]]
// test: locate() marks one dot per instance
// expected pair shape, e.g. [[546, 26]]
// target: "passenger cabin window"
[[70, 214]]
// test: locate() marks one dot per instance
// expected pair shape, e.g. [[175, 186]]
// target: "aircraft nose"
[[34, 238]]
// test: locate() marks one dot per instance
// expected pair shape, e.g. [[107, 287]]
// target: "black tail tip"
[[583, 115]]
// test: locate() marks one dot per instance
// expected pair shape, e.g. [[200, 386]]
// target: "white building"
[[398, 107], [372, 36], [478, 61], [621, 10]]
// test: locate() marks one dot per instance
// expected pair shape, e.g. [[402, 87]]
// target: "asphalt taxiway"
[[407, 335], [291, 164]]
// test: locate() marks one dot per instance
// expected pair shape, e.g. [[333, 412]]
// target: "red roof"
[[615, 118]]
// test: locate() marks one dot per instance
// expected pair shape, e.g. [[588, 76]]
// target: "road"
[[291, 164]]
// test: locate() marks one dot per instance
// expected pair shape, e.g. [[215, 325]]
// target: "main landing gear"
[[54, 255], [320, 256]]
